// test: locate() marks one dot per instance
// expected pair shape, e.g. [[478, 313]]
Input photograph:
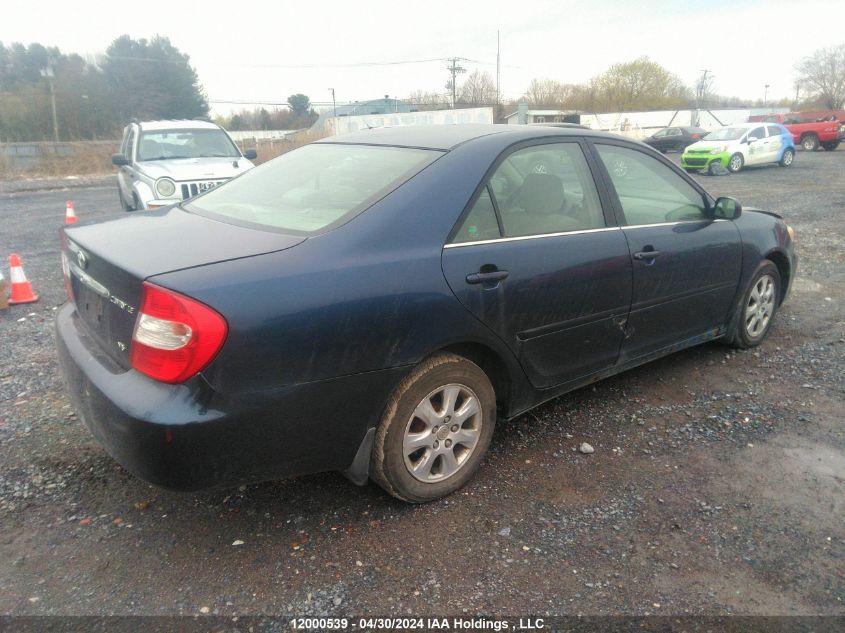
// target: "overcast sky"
[[265, 51]]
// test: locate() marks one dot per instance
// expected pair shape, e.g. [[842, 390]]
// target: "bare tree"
[[422, 100], [545, 93], [479, 89], [822, 76]]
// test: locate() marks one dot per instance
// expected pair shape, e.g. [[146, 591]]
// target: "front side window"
[[758, 133], [314, 187], [172, 144], [649, 191]]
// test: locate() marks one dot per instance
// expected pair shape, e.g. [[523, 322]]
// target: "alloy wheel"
[[442, 433], [761, 305]]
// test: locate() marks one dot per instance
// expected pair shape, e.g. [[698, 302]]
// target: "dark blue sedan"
[[373, 303]]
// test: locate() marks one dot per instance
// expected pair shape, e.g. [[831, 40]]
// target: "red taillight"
[[696, 135], [175, 336]]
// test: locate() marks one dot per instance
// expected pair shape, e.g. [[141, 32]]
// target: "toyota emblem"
[[81, 259]]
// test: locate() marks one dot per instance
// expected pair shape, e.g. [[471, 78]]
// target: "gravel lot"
[[717, 485]]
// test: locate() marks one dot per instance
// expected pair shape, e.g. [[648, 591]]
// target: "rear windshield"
[[173, 144], [313, 188]]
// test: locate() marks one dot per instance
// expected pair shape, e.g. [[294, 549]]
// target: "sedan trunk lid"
[[106, 263]]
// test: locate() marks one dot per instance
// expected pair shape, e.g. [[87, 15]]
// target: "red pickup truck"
[[809, 132]]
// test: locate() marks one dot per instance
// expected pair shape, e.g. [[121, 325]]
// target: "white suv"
[[164, 162]]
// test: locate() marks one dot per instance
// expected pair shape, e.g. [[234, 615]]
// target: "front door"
[[686, 264], [758, 150], [534, 259]]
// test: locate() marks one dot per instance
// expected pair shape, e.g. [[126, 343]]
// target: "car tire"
[[830, 146], [756, 309], [787, 158], [136, 203], [422, 450], [736, 162], [810, 143]]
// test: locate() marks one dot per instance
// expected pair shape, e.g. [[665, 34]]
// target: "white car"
[[164, 162], [741, 144]]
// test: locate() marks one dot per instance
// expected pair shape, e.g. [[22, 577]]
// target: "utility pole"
[[498, 66], [703, 86], [454, 68], [48, 73], [700, 94], [765, 95], [334, 112]]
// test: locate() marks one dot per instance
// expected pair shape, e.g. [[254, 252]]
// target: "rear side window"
[[313, 188], [649, 191], [480, 223], [774, 131], [537, 190]]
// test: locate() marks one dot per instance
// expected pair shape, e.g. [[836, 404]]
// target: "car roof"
[[446, 137], [748, 125], [177, 124]]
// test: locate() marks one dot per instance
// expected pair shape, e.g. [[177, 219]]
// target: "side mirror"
[[727, 208], [751, 139], [250, 154], [119, 160]]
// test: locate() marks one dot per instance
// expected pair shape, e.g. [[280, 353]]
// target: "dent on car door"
[[686, 264], [534, 258]]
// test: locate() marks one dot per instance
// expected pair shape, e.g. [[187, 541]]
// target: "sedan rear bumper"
[[188, 437]]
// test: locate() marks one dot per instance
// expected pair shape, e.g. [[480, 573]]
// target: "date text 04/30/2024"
[[419, 624]]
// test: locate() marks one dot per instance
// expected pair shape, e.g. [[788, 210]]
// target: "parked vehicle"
[[164, 162], [374, 302], [739, 145], [810, 132], [675, 138]]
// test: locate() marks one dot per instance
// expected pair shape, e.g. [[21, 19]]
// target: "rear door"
[[775, 140], [535, 258], [675, 138], [686, 264]]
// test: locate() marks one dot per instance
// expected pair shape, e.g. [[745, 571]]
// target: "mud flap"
[[359, 471]]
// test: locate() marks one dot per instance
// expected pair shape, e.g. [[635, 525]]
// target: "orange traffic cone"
[[70, 212], [21, 288]]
